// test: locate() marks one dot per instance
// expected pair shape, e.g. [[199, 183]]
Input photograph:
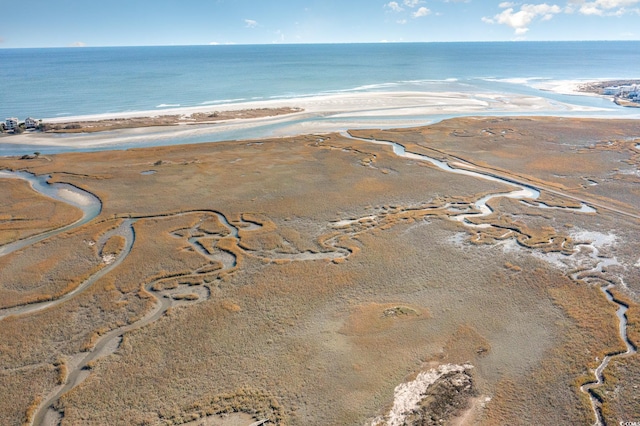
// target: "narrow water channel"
[[91, 208], [529, 193], [522, 192], [90, 205]]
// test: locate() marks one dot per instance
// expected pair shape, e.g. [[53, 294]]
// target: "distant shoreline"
[[598, 87], [289, 117], [80, 125]]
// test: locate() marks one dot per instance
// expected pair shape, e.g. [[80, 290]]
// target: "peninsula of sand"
[[281, 118]]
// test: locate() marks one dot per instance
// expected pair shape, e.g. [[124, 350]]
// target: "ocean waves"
[[110, 82]]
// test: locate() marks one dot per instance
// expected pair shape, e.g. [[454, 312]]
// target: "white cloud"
[[250, 23], [412, 4], [602, 7], [423, 11], [506, 4], [520, 20], [393, 5], [78, 44]]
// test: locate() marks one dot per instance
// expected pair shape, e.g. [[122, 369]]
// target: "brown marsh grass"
[[45, 271], [24, 212], [322, 342]]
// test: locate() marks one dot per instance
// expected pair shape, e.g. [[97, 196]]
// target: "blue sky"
[[61, 23]]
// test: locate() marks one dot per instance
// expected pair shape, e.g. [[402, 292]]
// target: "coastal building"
[[11, 123], [628, 91], [30, 123], [611, 91], [625, 90]]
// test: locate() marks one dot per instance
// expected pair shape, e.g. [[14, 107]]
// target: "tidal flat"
[[325, 279]]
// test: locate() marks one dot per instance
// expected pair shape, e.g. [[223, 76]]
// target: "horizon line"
[[215, 44]]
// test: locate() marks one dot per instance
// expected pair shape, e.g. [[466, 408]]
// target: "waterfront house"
[[611, 90], [11, 123], [30, 123], [625, 89]]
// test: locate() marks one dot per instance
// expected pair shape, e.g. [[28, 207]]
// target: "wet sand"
[[316, 114]]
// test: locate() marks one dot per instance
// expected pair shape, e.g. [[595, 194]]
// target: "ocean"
[[47, 83], [56, 83]]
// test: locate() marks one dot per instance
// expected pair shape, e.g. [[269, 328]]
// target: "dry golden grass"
[[45, 271], [321, 342], [22, 391], [464, 345], [230, 306], [620, 395], [621, 399], [597, 321], [245, 400], [114, 245], [376, 318], [561, 153], [185, 296], [63, 371], [212, 225], [24, 212], [512, 267], [585, 340]]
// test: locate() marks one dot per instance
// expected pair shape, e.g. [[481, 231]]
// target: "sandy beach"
[[565, 87], [319, 114]]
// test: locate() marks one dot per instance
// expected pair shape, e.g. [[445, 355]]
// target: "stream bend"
[[108, 343], [530, 195], [90, 205]]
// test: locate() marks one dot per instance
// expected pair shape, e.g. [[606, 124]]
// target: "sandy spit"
[[321, 114]]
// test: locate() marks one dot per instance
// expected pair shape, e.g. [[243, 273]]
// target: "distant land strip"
[[93, 126]]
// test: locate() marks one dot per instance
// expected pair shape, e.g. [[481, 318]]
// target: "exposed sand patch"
[[564, 87], [407, 396], [74, 197], [470, 416]]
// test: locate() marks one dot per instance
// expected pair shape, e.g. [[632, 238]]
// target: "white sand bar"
[[321, 114]]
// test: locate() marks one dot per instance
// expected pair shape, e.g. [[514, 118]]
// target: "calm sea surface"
[[79, 81]]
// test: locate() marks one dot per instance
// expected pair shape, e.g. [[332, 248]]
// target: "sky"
[[79, 23]]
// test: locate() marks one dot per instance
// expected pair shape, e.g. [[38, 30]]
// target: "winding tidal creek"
[[108, 343]]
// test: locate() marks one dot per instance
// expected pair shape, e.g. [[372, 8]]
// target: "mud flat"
[[460, 272]]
